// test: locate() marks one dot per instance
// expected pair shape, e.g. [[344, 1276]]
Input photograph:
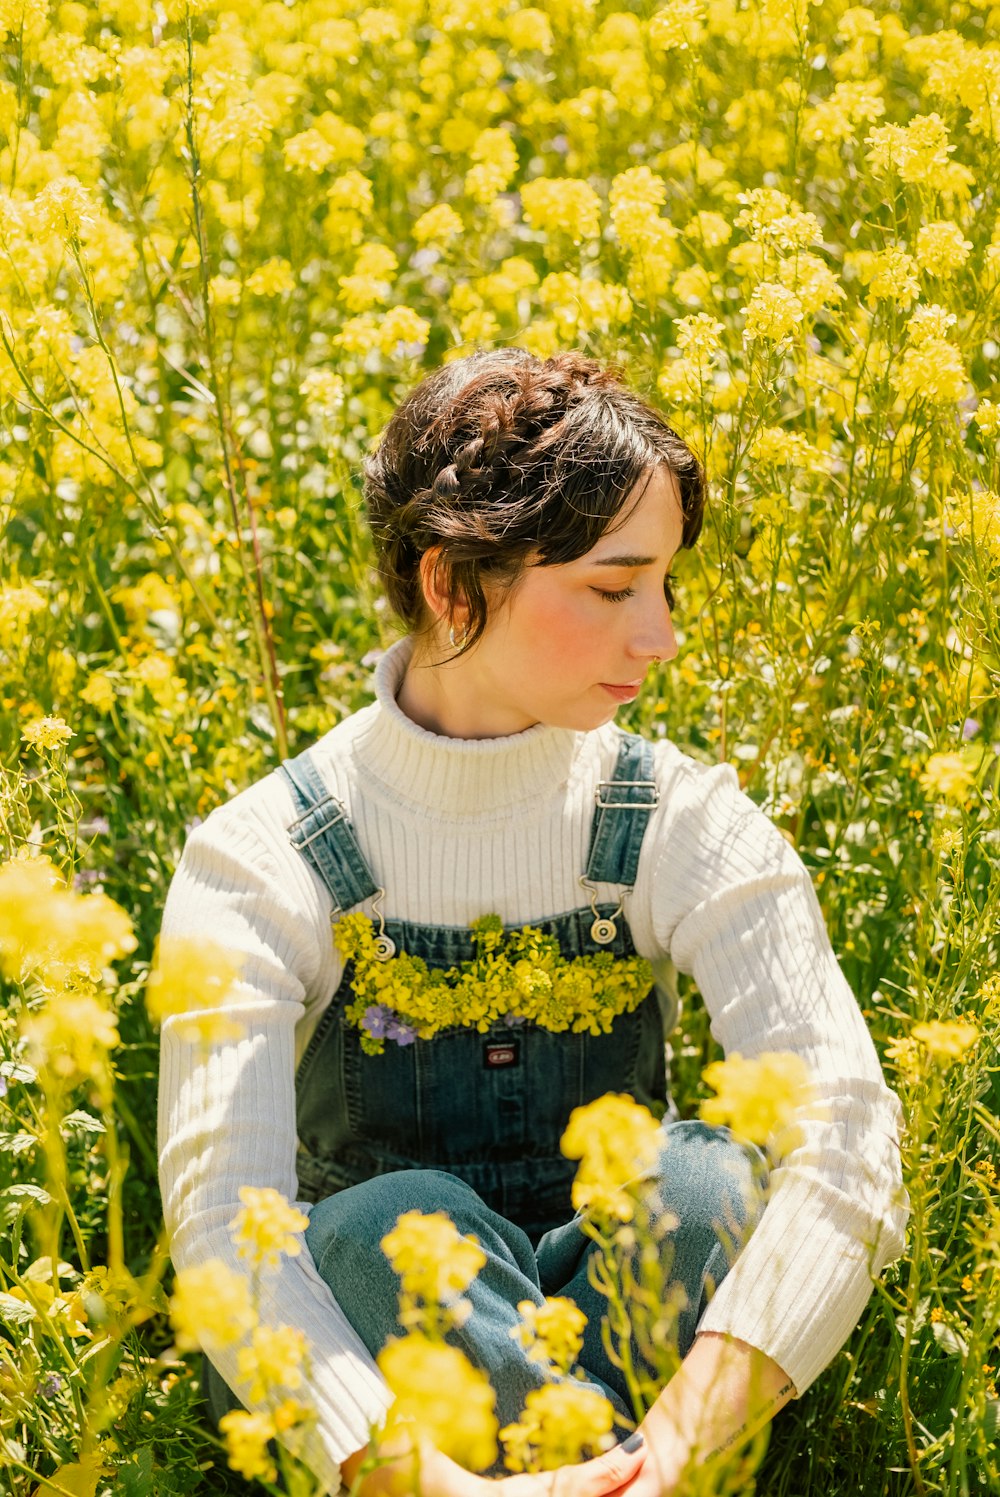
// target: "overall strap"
[[624, 805], [325, 837]]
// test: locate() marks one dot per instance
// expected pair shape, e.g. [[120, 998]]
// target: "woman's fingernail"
[[634, 1442]]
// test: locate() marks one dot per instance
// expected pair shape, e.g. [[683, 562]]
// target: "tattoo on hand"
[[762, 1413]]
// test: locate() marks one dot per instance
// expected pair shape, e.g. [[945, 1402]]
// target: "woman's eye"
[[619, 597]]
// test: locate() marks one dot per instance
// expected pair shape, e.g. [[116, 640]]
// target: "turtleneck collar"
[[456, 778]]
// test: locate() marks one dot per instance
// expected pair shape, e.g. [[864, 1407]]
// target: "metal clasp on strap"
[[385, 946], [627, 805], [340, 816], [603, 930]]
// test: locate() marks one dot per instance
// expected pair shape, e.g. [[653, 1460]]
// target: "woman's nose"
[[656, 640]]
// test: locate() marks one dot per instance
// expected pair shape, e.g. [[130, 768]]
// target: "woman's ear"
[[441, 606]]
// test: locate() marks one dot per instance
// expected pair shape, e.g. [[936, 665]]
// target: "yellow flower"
[[323, 390], [946, 1039], [616, 1140], [932, 371], [699, 336], [708, 230], [917, 151], [401, 330], [906, 1055], [433, 1261], [308, 151], [942, 248], [193, 977], [47, 928], [987, 417], [265, 1227], [772, 313], [47, 733], [562, 1423], [351, 193], [758, 1098], [566, 205], [977, 515], [99, 692], [272, 1361], [64, 208], [529, 30], [247, 1437], [211, 1306], [224, 291], [438, 225], [551, 1333], [678, 25], [889, 274], [17, 604], [948, 776], [273, 278], [438, 1390], [70, 1036]]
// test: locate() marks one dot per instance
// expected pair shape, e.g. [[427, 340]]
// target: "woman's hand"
[[438, 1476]]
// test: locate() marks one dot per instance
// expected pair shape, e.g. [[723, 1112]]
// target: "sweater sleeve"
[[226, 1116], [735, 908]]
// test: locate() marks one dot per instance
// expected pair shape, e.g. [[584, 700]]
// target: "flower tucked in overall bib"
[[516, 977]]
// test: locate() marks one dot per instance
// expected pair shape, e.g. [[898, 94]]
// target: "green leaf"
[[17, 1143], [81, 1122], [136, 1478], [16, 1311], [13, 1070], [15, 1200]]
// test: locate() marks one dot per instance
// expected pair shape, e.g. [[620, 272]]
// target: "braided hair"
[[500, 457]]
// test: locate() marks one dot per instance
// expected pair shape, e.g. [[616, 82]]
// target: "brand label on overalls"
[[497, 1053]]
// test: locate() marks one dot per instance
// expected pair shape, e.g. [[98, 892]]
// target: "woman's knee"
[[714, 1185], [345, 1230]]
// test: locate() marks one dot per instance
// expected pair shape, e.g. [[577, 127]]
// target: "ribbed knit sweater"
[[454, 829]]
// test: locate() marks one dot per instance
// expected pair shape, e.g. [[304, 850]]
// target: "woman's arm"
[[227, 1110], [723, 1393], [730, 901]]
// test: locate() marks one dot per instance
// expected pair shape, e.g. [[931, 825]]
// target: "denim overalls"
[[489, 1108], [470, 1123]]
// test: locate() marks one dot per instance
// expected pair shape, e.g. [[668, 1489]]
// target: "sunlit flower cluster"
[[517, 977], [616, 1140], [759, 1098]]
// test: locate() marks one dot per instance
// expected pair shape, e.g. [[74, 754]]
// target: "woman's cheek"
[[560, 628]]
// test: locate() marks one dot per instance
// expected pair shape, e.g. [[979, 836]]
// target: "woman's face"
[[573, 642]]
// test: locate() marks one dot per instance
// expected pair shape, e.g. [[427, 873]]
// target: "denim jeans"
[[711, 1184]]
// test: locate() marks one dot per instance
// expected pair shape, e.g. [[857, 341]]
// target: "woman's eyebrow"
[[625, 561]]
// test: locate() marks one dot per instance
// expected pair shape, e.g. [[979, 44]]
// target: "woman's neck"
[[456, 700]]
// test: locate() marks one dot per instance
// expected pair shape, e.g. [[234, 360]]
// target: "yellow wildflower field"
[[232, 236]]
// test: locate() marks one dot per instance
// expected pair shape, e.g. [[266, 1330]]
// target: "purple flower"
[[50, 1385], [86, 879], [970, 728], [375, 1019], [403, 1034]]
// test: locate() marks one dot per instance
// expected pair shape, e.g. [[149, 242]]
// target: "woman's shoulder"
[[266, 807]]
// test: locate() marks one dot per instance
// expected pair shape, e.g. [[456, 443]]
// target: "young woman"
[[525, 515]]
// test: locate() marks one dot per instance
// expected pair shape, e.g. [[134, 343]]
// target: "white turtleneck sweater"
[[454, 829]]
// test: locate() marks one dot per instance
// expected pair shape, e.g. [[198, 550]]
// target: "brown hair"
[[500, 454]]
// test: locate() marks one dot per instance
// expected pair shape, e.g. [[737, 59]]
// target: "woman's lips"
[[623, 693]]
